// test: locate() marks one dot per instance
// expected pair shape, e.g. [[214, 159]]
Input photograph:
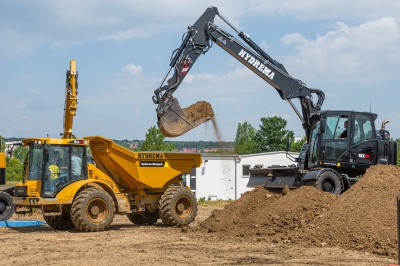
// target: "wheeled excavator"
[[327, 160]]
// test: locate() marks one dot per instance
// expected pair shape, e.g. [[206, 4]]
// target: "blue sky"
[[348, 49]]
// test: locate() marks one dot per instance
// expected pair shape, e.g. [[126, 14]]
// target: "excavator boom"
[[71, 91], [174, 121]]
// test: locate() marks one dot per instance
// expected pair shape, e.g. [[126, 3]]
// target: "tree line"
[[272, 135]]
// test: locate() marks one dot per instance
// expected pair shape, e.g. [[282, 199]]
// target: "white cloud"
[[365, 52], [134, 70], [188, 78], [75, 21], [313, 10]]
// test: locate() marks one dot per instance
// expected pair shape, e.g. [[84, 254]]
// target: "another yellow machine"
[[143, 185], [74, 192], [2, 168], [6, 204]]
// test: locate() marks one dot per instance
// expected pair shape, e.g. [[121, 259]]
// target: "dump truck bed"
[[132, 170]]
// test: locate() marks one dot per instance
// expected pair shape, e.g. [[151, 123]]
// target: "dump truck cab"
[[53, 164]]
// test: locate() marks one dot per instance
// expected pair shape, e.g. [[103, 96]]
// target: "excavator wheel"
[[177, 206], [6, 206], [142, 219], [60, 222], [92, 210], [329, 182]]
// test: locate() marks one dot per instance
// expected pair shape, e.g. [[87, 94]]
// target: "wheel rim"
[[183, 207], [328, 186], [2, 207], [97, 210]]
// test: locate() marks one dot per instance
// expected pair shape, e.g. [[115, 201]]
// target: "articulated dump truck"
[[74, 192]]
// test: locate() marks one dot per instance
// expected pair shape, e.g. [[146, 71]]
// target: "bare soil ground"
[[297, 227]]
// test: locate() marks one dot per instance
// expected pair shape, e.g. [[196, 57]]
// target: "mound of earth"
[[176, 121], [199, 111], [362, 218]]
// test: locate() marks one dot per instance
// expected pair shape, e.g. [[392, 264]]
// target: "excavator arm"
[[174, 121], [71, 92]]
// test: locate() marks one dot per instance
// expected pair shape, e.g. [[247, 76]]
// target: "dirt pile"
[[177, 121], [199, 111], [363, 218]]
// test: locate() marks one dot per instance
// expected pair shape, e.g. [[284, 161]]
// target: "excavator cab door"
[[329, 142], [335, 138]]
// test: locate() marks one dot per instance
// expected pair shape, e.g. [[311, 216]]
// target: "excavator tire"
[[92, 210], [330, 182], [59, 222], [143, 219], [177, 207], [6, 206]]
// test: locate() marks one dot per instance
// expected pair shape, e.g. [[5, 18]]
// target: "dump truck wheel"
[[6, 206], [59, 222], [92, 210], [177, 206], [142, 219], [329, 182]]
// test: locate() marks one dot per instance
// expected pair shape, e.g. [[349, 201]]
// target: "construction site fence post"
[[398, 229]]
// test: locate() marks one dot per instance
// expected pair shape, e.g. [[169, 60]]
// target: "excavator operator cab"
[[346, 139], [53, 166]]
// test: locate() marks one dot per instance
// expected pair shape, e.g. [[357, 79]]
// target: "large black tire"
[[330, 182], [7, 207], [177, 206], [60, 222], [142, 219], [92, 210]]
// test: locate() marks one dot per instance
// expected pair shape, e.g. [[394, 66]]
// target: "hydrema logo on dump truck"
[[152, 164], [257, 64], [149, 155]]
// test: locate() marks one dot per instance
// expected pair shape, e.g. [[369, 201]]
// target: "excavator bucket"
[[176, 121]]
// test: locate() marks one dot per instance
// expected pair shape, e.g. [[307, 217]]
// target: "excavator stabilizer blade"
[[177, 121]]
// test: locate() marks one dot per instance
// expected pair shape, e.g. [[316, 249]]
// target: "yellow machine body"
[[135, 180], [2, 168]]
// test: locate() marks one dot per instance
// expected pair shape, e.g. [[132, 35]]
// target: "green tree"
[[14, 169], [2, 144], [155, 141], [273, 135], [245, 139], [296, 145], [20, 153]]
